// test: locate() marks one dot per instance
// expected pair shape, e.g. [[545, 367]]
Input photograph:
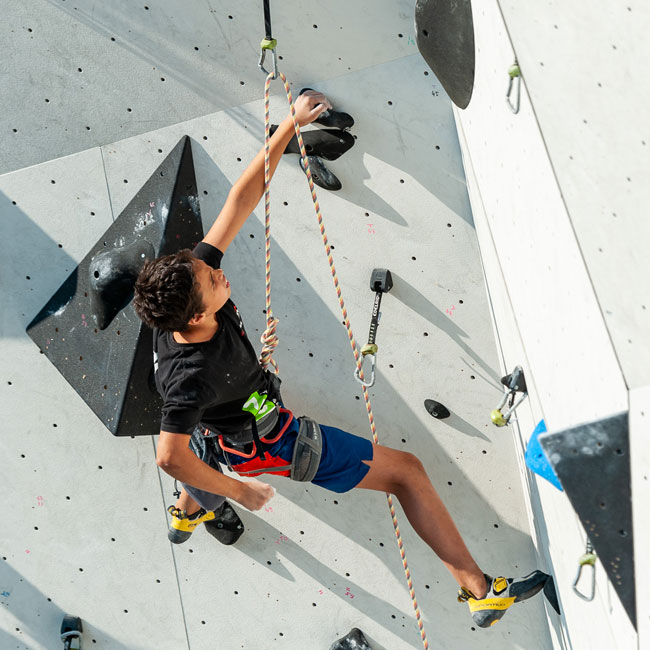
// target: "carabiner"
[[588, 559], [268, 44], [357, 372], [514, 73]]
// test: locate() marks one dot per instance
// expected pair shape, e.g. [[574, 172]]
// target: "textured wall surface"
[[91, 536]]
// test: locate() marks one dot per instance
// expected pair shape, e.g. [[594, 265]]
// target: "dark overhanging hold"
[[592, 462], [112, 274], [444, 32], [89, 329]]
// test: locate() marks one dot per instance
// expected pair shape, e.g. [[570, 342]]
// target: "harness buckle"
[[268, 44]]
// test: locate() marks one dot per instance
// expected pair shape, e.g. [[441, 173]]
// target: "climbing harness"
[[269, 338], [588, 558], [307, 451], [514, 74], [381, 281], [514, 383]]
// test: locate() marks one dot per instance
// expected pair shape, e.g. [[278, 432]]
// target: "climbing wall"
[[91, 538], [555, 200]]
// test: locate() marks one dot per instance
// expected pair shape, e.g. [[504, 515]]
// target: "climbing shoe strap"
[[181, 521]]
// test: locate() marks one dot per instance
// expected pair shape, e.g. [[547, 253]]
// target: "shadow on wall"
[[31, 607], [413, 299], [413, 133], [32, 264], [315, 364], [38, 615], [410, 130], [145, 38]]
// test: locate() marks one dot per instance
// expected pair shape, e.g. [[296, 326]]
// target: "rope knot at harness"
[[269, 341]]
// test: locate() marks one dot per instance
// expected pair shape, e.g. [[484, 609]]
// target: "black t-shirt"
[[214, 381]]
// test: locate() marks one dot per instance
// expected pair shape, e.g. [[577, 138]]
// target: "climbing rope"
[[269, 337]]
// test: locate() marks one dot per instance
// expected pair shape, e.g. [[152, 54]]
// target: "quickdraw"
[[381, 281], [514, 74], [513, 383], [588, 558]]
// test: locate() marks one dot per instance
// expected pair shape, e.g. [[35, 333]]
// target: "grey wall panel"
[[94, 72], [453, 361], [70, 547]]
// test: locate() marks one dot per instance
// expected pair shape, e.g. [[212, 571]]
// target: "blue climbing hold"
[[537, 460]]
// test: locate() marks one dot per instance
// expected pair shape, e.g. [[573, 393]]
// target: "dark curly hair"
[[167, 294]]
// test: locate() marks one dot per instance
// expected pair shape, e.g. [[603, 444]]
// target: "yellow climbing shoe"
[[501, 594], [182, 526]]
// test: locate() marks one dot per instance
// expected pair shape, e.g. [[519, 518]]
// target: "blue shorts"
[[341, 465]]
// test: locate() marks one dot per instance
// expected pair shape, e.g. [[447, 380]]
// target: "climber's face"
[[214, 287]]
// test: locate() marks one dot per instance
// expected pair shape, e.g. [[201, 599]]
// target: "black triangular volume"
[[592, 462], [89, 330]]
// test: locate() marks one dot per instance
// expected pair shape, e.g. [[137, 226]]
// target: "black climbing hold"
[[112, 368], [326, 143], [438, 410], [592, 462], [227, 528], [381, 280], [551, 594], [353, 640], [321, 176], [332, 118], [112, 274], [445, 37], [71, 630]]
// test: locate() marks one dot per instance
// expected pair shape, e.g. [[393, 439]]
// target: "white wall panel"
[[547, 314], [574, 366], [585, 68]]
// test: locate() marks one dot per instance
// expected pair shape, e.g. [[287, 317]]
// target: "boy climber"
[[220, 406]]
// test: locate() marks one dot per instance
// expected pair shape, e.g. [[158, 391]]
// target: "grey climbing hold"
[[353, 640], [320, 174]]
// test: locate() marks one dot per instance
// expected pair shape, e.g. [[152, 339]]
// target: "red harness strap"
[[257, 466], [257, 463]]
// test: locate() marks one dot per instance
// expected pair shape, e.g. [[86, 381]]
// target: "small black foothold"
[[438, 410], [354, 640]]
